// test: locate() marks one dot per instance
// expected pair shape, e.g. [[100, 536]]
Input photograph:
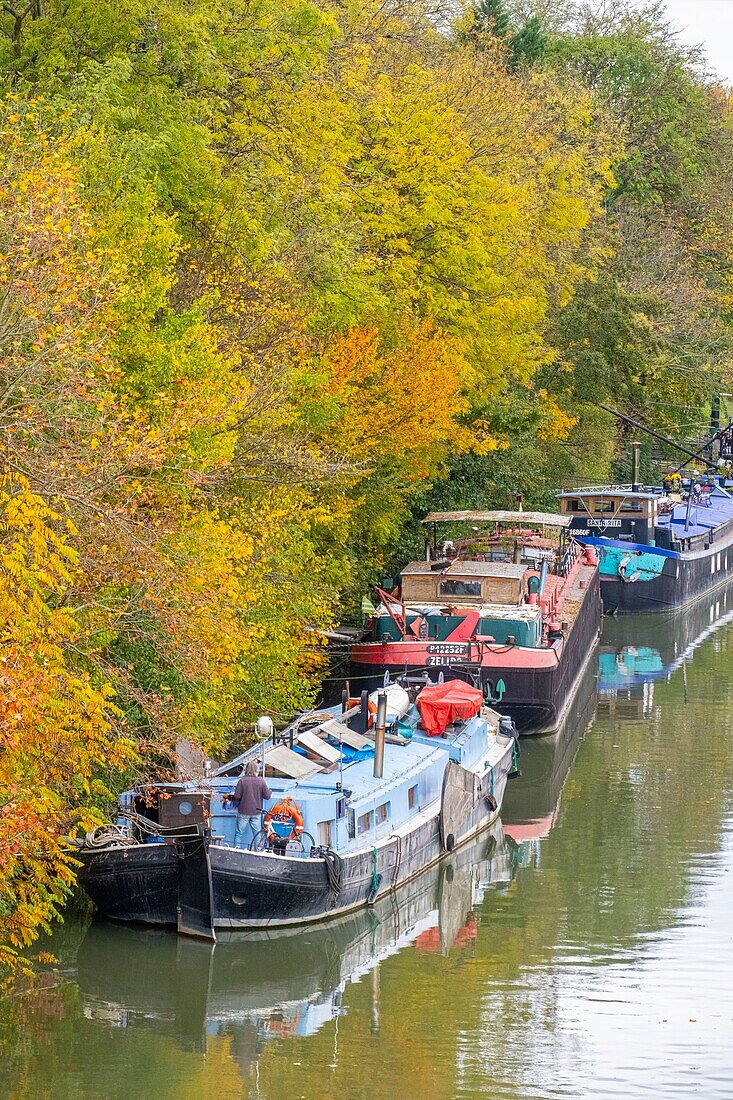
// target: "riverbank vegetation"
[[275, 275]]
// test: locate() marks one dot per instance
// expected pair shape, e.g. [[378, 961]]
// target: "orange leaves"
[[401, 404]]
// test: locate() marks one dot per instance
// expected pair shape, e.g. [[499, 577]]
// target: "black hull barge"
[[441, 773], [293, 983], [660, 547]]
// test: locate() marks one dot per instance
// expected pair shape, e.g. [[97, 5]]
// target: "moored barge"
[[660, 546], [275, 984], [515, 607], [373, 805]]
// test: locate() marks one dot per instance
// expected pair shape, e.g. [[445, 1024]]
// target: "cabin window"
[[381, 813], [604, 506], [352, 825], [460, 588], [412, 797], [574, 505], [632, 506], [365, 823], [324, 833]]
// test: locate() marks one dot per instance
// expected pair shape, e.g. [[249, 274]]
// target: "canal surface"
[[583, 949]]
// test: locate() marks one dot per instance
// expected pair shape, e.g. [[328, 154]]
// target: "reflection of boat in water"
[[259, 985], [632, 657], [530, 806]]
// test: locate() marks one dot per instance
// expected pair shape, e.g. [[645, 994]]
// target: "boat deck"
[[703, 518], [345, 805]]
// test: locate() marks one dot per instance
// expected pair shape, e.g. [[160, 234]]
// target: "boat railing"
[[569, 557], [610, 488]]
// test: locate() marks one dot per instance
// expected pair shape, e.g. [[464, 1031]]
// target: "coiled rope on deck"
[[107, 836]]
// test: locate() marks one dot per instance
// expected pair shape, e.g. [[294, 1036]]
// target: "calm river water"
[[583, 949]]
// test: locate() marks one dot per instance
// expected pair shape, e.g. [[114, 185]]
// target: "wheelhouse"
[[622, 512], [484, 583]]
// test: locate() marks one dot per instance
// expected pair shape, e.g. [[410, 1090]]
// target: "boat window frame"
[[471, 589]]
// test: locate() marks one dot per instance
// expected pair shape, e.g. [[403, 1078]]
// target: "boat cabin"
[[464, 583], [483, 585], [329, 772], [614, 511]]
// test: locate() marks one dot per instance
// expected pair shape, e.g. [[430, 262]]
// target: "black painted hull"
[[682, 580], [145, 882], [545, 764], [137, 974]]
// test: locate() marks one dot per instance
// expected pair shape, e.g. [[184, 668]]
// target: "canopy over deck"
[[528, 519], [458, 567]]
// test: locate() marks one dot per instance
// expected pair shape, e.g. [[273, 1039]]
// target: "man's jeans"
[[248, 826]]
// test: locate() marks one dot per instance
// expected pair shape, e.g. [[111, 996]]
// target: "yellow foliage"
[[55, 722], [556, 423]]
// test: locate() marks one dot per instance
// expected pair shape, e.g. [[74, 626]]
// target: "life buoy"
[[372, 708], [622, 570], [286, 810]]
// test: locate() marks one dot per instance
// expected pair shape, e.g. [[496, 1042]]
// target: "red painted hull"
[[539, 684], [418, 655]]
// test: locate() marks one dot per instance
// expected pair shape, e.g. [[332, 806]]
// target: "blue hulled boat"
[[660, 546], [361, 803]]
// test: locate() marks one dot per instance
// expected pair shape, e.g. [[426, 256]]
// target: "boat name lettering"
[[444, 659], [597, 523], [448, 648]]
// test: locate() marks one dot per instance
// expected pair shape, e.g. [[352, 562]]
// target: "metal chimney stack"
[[380, 731], [636, 467]]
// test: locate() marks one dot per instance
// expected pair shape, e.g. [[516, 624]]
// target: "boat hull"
[[279, 981], [144, 882], [538, 684], [677, 579]]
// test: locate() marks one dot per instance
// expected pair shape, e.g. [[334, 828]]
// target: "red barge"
[[515, 608]]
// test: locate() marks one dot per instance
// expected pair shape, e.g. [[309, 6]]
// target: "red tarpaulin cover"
[[441, 704]]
